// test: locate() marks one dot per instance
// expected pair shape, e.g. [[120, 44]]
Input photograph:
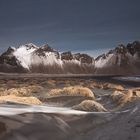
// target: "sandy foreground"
[[86, 108]]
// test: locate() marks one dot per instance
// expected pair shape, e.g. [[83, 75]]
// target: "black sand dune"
[[56, 117], [123, 125]]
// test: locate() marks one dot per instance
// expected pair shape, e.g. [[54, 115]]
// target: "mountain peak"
[[122, 59], [121, 49], [28, 46], [83, 58], [47, 48], [9, 51], [66, 55]]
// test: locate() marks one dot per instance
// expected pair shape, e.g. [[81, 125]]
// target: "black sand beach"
[[57, 119]]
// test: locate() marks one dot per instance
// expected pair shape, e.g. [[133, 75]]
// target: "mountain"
[[121, 60], [44, 59]]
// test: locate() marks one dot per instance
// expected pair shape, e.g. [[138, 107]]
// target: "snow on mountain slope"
[[30, 54], [119, 56], [48, 59], [123, 59], [46, 55], [31, 57], [24, 54], [102, 61]]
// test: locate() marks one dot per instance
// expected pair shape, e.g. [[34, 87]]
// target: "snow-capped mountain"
[[30, 58], [121, 60]]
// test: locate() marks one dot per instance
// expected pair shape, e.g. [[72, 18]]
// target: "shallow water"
[[134, 79]]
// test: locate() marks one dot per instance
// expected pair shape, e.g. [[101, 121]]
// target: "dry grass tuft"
[[116, 95], [126, 98], [20, 100], [72, 91], [136, 92], [35, 88], [19, 92], [90, 105], [2, 91], [23, 91], [113, 86], [129, 96], [70, 82], [95, 85]]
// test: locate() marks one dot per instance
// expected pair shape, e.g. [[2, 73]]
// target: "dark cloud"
[[77, 25]]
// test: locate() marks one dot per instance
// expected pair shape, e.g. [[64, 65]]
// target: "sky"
[[92, 26]]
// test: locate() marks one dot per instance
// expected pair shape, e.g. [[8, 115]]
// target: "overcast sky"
[[93, 26]]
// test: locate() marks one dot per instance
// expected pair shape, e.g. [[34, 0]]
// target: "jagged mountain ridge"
[[30, 58], [121, 60]]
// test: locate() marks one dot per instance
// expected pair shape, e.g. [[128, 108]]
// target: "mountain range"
[[121, 60], [32, 59]]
